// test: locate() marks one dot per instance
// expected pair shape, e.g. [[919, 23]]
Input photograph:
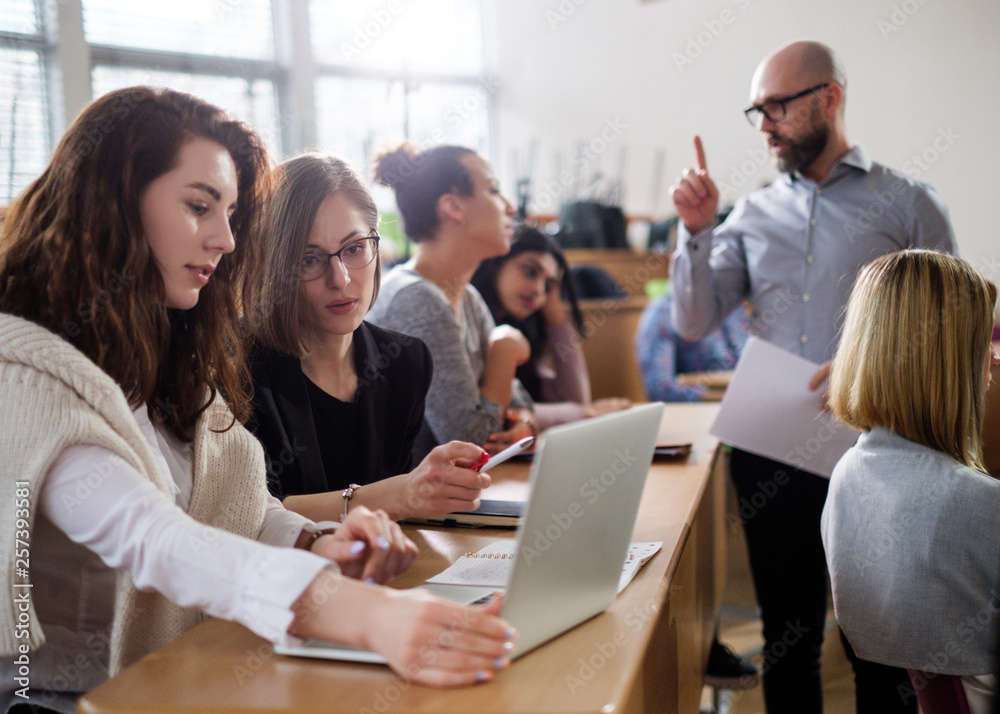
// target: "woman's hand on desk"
[[425, 639], [607, 405], [518, 423], [368, 546], [440, 643]]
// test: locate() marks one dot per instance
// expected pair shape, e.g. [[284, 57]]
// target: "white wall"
[[917, 70]]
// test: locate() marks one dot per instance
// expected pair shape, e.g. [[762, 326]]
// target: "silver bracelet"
[[347, 494]]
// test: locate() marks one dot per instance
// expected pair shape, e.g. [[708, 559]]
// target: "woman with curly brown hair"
[[122, 380]]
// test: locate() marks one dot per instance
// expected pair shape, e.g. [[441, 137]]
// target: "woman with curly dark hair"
[[531, 288]]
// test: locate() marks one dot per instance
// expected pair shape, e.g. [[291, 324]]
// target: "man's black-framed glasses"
[[355, 255], [774, 109]]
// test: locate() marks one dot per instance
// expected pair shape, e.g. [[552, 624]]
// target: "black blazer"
[[394, 374]]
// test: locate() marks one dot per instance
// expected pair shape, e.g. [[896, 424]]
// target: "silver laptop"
[[585, 485]]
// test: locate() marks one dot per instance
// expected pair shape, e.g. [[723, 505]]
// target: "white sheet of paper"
[[491, 566], [638, 554], [769, 410]]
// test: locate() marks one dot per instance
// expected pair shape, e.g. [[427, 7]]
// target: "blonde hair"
[[911, 356]]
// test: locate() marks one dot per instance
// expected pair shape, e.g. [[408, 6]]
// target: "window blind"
[[225, 28], [24, 115]]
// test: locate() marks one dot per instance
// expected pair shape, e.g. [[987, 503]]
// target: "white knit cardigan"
[[52, 397]]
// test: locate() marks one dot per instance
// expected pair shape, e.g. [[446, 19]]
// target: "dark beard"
[[804, 151]]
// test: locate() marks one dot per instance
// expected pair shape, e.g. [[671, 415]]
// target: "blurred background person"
[[531, 289], [452, 208], [664, 355]]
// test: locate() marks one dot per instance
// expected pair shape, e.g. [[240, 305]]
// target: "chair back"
[[939, 693]]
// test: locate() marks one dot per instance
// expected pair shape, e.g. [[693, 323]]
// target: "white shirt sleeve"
[[102, 503], [281, 527]]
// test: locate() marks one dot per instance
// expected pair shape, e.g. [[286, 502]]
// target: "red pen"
[[484, 457]]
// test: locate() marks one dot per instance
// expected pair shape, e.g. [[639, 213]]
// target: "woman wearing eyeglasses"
[[452, 208], [338, 402]]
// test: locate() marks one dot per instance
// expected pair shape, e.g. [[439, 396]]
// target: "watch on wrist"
[[347, 494], [307, 544]]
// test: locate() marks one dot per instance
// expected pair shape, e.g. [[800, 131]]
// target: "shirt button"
[[819, 191], [805, 298], [809, 259], [812, 222], [687, 289], [803, 339]]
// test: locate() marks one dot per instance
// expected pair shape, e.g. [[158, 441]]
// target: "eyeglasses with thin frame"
[[355, 255], [774, 109]]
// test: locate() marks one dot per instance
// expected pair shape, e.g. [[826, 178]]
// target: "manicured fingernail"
[[501, 662], [484, 676], [508, 646], [511, 633], [357, 546], [382, 543], [370, 580]]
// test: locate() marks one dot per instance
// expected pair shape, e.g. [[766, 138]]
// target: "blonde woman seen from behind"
[[909, 525]]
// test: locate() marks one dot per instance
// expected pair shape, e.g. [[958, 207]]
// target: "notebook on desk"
[[585, 484], [490, 514]]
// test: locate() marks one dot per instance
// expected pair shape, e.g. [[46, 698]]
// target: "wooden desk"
[[647, 653], [631, 268], [610, 347]]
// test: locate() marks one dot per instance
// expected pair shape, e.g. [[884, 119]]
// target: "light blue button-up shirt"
[[794, 248]]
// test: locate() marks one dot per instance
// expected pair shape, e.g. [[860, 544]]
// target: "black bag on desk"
[[588, 224]]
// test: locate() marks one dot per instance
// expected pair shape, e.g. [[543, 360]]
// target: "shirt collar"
[[856, 158]]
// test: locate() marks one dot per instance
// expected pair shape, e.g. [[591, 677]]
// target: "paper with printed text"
[[491, 566]]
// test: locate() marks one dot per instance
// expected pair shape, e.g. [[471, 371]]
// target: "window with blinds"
[[391, 70], [249, 100], [220, 28], [386, 70], [220, 50], [24, 116]]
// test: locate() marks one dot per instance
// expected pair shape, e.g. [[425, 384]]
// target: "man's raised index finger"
[[699, 151]]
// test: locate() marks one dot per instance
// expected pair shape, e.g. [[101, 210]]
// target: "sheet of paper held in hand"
[[769, 410], [491, 566]]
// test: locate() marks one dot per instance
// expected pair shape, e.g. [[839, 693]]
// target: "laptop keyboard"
[[486, 598]]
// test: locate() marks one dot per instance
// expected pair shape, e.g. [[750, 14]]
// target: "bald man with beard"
[[793, 250]]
